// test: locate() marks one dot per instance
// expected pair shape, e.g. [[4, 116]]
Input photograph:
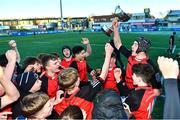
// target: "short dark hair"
[[66, 47], [174, 33], [145, 71], [41, 55], [72, 112], [77, 49], [3, 60], [46, 59], [55, 54], [30, 61], [113, 55]]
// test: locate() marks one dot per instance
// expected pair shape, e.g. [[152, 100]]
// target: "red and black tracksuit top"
[[50, 84], [110, 82], [131, 62], [140, 100], [82, 98], [66, 63], [83, 70], [128, 77]]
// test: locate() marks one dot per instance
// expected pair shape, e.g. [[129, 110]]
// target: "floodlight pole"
[[61, 13]]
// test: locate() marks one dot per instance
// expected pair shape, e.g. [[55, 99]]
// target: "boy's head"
[[142, 73], [57, 56], [143, 44], [32, 61], [50, 63], [78, 52], [68, 79], [66, 51], [112, 60], [36, 105], [71, 113], [174, 33], [41, 55]]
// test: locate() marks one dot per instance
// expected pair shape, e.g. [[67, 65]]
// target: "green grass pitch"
[[33, 45]]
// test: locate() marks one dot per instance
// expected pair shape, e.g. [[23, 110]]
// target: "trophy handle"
[[107, 30]]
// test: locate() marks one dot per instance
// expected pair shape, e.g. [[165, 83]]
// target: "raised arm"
[[12, 93], [13, 45], [108, 49], [122, 87], [117, 39], [170, 71], [86, 42]]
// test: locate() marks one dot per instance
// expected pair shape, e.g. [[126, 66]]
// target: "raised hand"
[[108, 48], [58, 98], [168, 67], [85, 41], [93, 74], [115, 24], [12, 43], [117, 74], [11, 55]]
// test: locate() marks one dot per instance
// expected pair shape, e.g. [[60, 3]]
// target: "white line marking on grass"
[[41, 42]]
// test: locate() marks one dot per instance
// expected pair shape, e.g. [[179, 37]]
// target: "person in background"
[[68, 58], [171, 43], [81, 65], [67, 53]]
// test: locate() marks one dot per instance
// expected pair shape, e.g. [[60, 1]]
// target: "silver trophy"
[[120, 15]]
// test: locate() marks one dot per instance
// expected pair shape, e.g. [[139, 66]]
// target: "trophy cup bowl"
[[120, 15]]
